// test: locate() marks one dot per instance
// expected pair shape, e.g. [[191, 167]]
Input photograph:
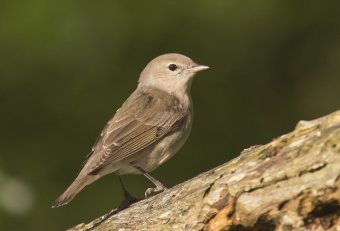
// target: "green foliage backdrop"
[[66, 66]]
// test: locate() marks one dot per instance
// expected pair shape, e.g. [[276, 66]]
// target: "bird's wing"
[[145, 117]]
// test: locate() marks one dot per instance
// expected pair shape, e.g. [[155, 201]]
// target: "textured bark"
[[291, 183]]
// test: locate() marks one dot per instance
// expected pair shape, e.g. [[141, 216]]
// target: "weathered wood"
[[292, 183]]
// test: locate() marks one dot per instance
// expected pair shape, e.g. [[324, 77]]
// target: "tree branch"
[[291, 183]]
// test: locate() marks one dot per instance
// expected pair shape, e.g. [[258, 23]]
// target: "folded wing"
[[146, 116]]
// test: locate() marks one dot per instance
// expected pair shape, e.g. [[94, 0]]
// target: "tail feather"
[[72, 191]]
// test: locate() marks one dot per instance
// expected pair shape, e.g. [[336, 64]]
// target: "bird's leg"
[[128, 198], [159, 186]]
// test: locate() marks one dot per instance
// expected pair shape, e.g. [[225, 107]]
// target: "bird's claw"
[[150, 191]]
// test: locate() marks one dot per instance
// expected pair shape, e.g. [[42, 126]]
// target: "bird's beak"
[[197, 68]]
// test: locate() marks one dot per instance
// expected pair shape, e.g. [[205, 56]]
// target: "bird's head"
[[170, 72]]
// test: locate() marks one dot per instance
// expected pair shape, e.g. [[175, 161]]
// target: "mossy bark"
[[291, 183]]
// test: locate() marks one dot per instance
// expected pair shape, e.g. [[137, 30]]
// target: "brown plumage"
[[149, 128]]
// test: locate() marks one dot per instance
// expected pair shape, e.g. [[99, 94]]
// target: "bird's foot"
[[151, 191], [128, 200]]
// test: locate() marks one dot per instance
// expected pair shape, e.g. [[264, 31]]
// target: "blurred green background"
[[66, 66]]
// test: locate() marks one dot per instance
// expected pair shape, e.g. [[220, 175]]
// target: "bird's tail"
[[79, 183]]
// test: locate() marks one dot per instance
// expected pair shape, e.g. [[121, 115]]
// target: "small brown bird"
[[149, 128]]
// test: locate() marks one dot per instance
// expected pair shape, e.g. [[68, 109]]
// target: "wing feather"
[[145, 117]]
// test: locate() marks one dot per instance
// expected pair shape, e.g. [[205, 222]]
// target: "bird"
[[149, 128]]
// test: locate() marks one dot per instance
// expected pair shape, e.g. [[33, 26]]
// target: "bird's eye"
[[172, 67]]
